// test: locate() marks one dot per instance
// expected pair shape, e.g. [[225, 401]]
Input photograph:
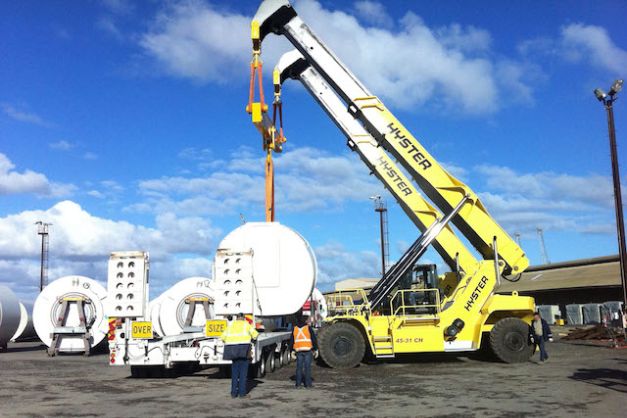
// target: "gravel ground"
[[579, 380]]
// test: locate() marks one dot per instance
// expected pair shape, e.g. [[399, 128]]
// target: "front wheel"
[[342, 346], [509, 340]]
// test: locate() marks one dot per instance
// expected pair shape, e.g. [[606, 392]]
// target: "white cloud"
[[109, 189], [373, 12], [62, 145], [201, 41], [80, 243], [593, 45], [23, 115], [468, 39], [307, 179], [335, 263], [96, 194], [412, 65], [580, 43], [120, 7], [523, 201], [108, 26], [90, 156], [14, 182]]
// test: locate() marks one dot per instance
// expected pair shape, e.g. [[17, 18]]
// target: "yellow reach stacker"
[[411, 309]]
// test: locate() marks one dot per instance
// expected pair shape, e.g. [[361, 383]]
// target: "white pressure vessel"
[[48, 307], [170, 311], [284, 265], [153, 309], [9, 315]]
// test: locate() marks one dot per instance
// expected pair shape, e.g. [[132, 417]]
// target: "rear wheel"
[[341, 345], [287, 359], [151, 372], [225, 371], [260, 367], [509, 340], [270, 364], [278, 361]]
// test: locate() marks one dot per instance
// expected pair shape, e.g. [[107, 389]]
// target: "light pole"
[[43, 231], [380, 207], [608, 100]]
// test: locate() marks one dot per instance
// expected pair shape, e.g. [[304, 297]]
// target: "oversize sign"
[[141, 330], [215, 327]]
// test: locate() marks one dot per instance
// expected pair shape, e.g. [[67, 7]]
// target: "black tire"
[[509, 341], [341, 345], [138, 372], [278, 360], [270, 363], [148, 372], [225, 372], [259, 368], [287, 357]]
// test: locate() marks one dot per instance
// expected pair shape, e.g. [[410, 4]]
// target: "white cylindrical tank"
[[26, 330], [9, 315], [153, 308], [284, 265], [172, 310], [48, 307]]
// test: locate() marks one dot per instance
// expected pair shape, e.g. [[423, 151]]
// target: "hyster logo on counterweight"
[[475, 293], [405, 142]]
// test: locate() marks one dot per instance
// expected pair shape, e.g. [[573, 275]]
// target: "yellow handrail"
[[403, 307]]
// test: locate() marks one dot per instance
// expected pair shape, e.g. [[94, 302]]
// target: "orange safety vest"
[[302, 339]]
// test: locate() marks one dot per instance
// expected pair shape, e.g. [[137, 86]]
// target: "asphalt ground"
[[579, 379]]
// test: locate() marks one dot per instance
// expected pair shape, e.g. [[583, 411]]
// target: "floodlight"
[[601, 95], [616, 87]]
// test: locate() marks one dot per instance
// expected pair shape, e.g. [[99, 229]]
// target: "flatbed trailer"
[[133, 343], [157, 356]]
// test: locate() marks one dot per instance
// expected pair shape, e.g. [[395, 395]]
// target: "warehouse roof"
[[582, 273], [589, 272], [358, 283]]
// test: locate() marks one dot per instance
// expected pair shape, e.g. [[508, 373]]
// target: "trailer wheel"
[[278, 361], [151, 372], [138, 372], [259, 368], [225, 371], [509, 340], [270, 364], [287, 359], [341, 345]]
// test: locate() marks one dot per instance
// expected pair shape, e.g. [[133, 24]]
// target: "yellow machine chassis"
[[406, 331]]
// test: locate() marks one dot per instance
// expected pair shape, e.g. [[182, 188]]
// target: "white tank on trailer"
[[170, 309], [9, 315], [153, 309], [283, 264], [48, 307]]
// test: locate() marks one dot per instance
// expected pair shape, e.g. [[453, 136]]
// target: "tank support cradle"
[[62, 330], [193, 301]]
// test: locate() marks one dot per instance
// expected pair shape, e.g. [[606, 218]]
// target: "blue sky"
[[123, 124]]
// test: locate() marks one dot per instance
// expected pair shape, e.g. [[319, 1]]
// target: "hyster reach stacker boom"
[[410, 310]]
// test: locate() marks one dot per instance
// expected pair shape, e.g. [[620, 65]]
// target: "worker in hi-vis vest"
[[304, 343], [237, 344]]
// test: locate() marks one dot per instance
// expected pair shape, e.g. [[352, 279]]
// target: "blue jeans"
[[239, 376], [303, 367], [540, 343]]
